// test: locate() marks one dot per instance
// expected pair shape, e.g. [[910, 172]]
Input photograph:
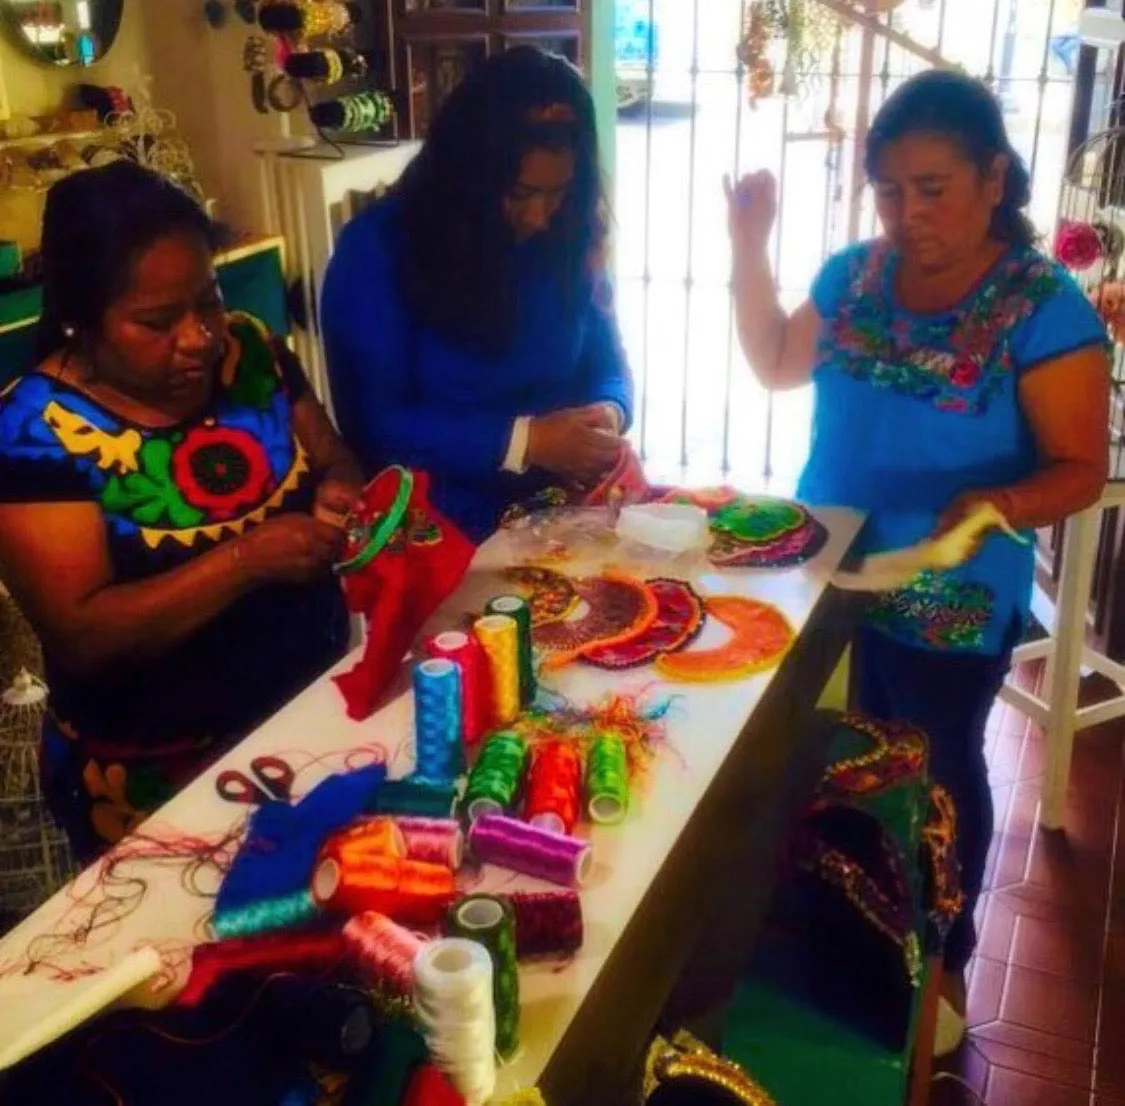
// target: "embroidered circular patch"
[[615, 609], [760, 636], [758, 519], [793, 548], [550, 594], [679, 617]]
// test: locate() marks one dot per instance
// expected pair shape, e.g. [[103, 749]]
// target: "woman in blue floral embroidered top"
[[953, 364], [170, 504]]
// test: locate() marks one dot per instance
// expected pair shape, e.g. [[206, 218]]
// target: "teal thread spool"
[[515, 606], [415, 795], [438, 754], [607, 780], [267, 916], [489, 920], [496, 778]]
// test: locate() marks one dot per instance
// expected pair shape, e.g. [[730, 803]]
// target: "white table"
[[716, 731]]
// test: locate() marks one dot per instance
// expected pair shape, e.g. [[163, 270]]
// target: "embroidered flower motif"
[[221, 470], [1077, 245], [938, 611], [965, 373]]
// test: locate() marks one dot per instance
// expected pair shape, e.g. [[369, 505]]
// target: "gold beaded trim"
[[686, 1059]]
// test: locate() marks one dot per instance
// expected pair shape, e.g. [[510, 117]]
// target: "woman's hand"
[[751, 211], [578, 443], [335, 497], [294, 548]]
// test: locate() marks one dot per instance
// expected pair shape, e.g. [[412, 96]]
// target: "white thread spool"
[[453, 1006]]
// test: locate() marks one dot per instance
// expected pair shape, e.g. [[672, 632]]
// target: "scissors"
[[272, 782]]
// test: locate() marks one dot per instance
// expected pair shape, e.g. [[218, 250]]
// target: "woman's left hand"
[[335, 497]]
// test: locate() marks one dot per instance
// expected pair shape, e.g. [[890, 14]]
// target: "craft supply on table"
[[607, 780], [532, 850], [406, 890], [434, 840], [673, 529], [380, 835], [499, 637], [548, 923], [476, 680], [287, 912], [550, 594], [454, 1008], [270, 780], [437, 719], [679, 618], [889, 571], [489, 920], [384, 950], [553, 783], [430, 1087], [760, 637], [413, 795], [515, 606], [495, 780]]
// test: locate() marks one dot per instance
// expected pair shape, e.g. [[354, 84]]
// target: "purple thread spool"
[[532, 850]]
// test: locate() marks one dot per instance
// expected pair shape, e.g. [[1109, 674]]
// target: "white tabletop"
[[315, 736]]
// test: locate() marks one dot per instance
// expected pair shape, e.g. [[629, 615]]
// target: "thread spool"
[[437, 719], [476, 680], [383, 951], [358, 111], [406, 890], [413, 795], [515, 606], [607, 780], [532, 850], [453, 1008], [267, 916], [495, 780], [548, 923], [554, 782], [433, 840], [325, 66], [308, 19], [378, 836], [499, 637], [489, 920]]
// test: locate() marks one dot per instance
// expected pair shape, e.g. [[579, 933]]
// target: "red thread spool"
[[554, 785], [308, 953], [379, 836], [406, 890], [383, 950], [428, 1087], [476, 680], [548, 923]]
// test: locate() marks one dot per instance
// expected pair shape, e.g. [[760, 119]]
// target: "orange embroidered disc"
[[761, 635]]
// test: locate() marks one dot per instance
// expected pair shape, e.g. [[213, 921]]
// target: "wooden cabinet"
[[431, 44]]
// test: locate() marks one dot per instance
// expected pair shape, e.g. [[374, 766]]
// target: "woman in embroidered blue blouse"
[[953, 364], [467, 323]]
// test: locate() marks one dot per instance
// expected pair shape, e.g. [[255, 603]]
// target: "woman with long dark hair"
[[953, 365], [466, 316], [171, 502]]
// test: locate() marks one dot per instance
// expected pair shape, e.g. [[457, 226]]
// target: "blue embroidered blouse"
[[404, 395], [912, 410]]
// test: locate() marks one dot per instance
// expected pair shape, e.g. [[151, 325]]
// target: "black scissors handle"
[[272, 781]]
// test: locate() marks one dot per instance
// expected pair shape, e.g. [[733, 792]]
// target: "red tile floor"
[[1047, 987]]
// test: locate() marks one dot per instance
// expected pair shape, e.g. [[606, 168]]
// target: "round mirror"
[[63, 32]]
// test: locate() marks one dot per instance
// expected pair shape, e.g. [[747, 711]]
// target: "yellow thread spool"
[[499, 637]]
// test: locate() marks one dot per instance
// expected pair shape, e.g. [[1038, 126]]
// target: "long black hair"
[[95, 225], [965, 112], [455, 267]]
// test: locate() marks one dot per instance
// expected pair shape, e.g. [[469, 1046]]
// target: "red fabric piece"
[[625, 483], [428, 1087], [398, 590]]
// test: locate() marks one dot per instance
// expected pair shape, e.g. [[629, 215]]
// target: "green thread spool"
[[267, 916], [416, 795], [515, 606], [488, 920], [607, 780], [494, 783]]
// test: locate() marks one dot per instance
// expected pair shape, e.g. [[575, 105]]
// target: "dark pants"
[[948, 697]]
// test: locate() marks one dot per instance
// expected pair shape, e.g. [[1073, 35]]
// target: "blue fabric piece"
[[913, 410], [280, 850], [404, 395]]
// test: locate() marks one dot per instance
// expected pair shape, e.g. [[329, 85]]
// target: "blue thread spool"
[[267, 916], [437, 720]]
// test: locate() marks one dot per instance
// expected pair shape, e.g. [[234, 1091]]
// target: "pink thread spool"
[[383, 950]]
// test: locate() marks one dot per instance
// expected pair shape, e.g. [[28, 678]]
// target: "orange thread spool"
[[378, 836], [553, 787], [405, 890]]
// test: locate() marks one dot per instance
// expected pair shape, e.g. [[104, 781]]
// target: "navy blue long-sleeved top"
[[405, 395]]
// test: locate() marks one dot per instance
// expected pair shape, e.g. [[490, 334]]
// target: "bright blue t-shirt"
[[912, 410], [405, 395]]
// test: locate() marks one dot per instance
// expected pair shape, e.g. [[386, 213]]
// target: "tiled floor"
[[1047, 988]]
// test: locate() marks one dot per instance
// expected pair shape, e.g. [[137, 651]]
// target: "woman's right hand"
[[751, 211], [576, 443], [293, 548]]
